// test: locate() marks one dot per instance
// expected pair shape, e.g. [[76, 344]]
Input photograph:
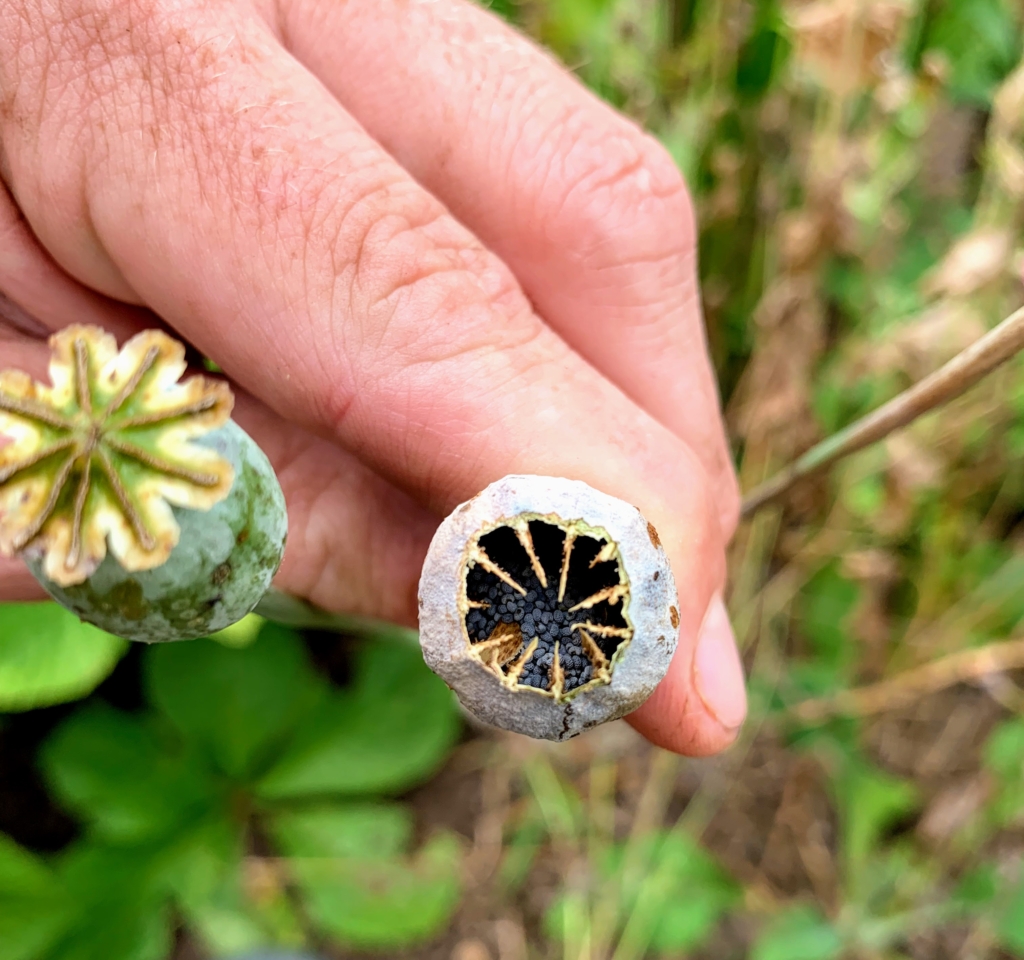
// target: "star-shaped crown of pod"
[[98, 458]]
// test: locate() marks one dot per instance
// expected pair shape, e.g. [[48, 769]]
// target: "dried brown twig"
[[965, 665], [949, 381]]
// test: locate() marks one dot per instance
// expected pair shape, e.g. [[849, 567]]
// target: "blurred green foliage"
[[241, 749]]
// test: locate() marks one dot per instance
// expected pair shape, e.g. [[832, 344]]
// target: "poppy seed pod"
[[134, 499], [547, 606]]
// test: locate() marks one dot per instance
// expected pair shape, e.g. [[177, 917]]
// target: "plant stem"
[[293, 612], [949, 381], [963, 666]]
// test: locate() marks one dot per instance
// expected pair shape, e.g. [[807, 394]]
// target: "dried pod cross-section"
[[100, 456], [547, 606]]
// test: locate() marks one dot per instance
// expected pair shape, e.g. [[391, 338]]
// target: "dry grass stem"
[[946, 383], [966, 665]]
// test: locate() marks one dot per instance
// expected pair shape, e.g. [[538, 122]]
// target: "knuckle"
[[420, 295], [624, 196]]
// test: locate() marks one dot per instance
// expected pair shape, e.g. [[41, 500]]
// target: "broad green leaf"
[[111, 769], [34, 909], [47, 655], [239, 704], [390, 731], [800, 933], [382, 903], [121, 895], [363, 830]]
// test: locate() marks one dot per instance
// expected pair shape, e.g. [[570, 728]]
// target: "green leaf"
[[800, 933], [870, 802], [121, 895], [828, 600], [111, 770], [367, 830], [378, 902], [1004, 756], [47, 655], [977, 889], [1004, 751], [390, 731], [1010, 923], [673, 897], [207, 882], [34, 910], [700, 892], [981, 42], [239, 704]]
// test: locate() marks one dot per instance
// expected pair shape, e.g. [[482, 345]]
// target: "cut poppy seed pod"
[[547, 606], [134, 499]]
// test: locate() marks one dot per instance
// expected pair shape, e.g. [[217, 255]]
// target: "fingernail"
[[717, 669]]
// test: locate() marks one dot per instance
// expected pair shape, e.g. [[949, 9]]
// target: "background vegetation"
[[858, 167]]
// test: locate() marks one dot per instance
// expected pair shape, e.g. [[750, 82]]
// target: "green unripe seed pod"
[[136, 502], [224, 562]]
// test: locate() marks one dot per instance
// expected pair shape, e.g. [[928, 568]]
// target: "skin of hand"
[[425, 255]]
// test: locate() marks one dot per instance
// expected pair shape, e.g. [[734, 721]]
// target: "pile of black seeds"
[[540, 614]]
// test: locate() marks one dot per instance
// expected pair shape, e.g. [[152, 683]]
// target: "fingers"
[[207, 175], [37, 297], [591, 214], [16, 583]]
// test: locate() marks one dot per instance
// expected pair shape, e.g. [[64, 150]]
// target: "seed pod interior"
[[547, 606]]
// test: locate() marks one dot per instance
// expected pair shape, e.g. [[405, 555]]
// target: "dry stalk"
[[949, 381], [904, 688]]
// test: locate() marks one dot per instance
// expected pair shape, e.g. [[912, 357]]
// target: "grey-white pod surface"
[[631, 629]]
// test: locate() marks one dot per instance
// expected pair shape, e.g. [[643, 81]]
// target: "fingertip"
[[700, 706]]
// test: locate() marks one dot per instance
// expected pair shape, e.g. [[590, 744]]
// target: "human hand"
[[426, 256]]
